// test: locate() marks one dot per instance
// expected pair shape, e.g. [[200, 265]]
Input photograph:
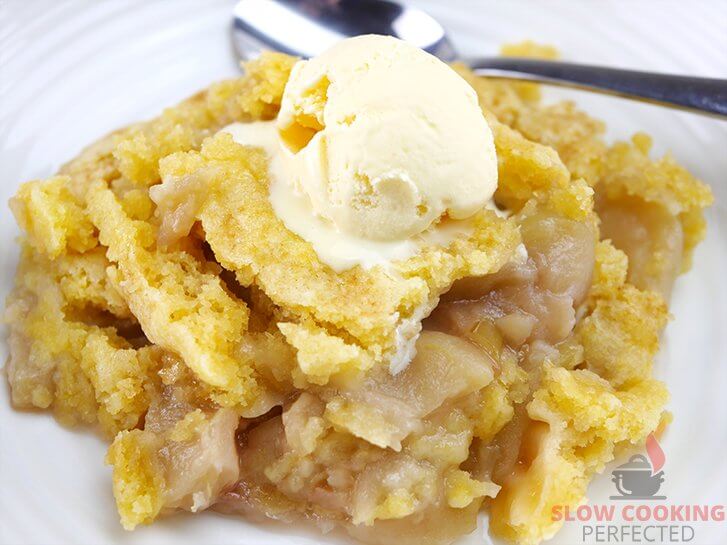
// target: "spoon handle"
[[702, 95]]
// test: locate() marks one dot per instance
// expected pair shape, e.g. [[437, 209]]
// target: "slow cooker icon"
[[635, 480]]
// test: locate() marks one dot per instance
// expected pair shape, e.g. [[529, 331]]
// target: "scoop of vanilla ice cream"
[[385, 139]]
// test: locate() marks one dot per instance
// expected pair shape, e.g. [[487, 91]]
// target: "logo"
[[639, 519], [640, 478]]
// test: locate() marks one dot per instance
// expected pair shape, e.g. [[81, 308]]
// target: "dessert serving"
[[366, 291]]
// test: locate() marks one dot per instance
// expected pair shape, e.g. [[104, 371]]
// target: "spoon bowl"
[[307, 28]]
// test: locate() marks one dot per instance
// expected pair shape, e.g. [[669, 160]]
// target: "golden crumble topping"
[[160, 299]]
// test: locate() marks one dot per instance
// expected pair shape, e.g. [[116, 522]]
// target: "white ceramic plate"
[[72, 71]]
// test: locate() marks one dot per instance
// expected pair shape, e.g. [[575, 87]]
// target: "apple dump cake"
[[368, 290]]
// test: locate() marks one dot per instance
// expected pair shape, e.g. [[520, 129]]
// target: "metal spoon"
[[305, 28]]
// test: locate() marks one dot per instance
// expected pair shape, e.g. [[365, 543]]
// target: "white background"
[[70, 71]]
